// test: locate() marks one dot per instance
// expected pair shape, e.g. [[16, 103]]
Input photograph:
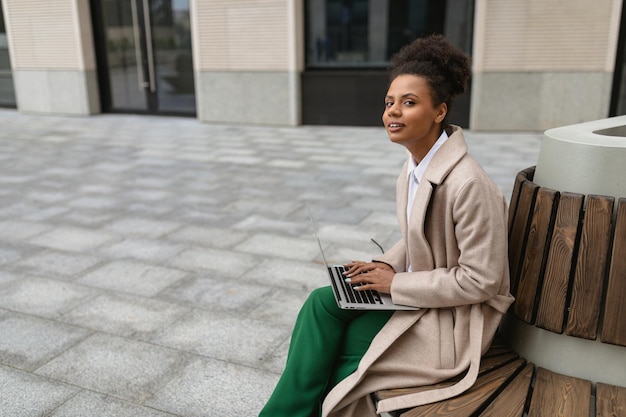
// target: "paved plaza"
[[154, 266]]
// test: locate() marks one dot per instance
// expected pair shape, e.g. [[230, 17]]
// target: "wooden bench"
[[509, 386], [567, 255]]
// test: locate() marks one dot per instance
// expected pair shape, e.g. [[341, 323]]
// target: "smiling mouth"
[[395, 125]]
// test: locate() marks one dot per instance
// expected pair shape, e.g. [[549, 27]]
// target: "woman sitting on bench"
[[452, 263]]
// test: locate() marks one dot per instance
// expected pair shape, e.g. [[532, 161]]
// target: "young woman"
[[451, 262]]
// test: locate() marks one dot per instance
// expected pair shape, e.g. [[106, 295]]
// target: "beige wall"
[[248, 55], [52, 56], [540, 64]]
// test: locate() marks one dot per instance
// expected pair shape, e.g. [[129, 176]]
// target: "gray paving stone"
[[43, 297], [257, 223], [87, 403], [342, 215], [125, 315], [220, 336], [20, 230], [228, 295], [223, 263], [281, 307], [98, 189], [36, 214], [94, 202], [267, 204], [142, 227], [6, 277], [9, 255], [275, 360], [26, 395], [73, 239], [28, 342], [295, 275], [149, 209], [132, 277], [215, 237], [85, 218], [280, 246], [60, 264], [346, 234], [142, 248], [116, 366], [210, 388]]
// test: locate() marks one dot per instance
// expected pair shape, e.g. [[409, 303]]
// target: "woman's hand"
[[370, 276]]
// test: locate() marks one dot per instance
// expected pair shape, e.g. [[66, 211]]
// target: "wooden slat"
[[497, 351], [535, 255], [511, 401], [551, 312], [497, 348], [529, 172], [490, 363], [525, 175], [614, 321], [610, 401], [557, 395], [477, 397], [517, 186], [517, 238], [593, 253]]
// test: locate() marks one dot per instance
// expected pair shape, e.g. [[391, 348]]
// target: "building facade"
[[537, 64]]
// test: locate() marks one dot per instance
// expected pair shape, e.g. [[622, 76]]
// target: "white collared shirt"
[[416, 171]]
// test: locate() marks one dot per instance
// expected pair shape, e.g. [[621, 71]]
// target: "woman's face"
[[410, 117]]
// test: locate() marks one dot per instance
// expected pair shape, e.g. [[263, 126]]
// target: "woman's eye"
[[388, 103], [409, 103]]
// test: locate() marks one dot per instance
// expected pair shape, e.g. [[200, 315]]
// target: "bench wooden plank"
[[593, 253], [610, 401], [535, 255], [529, 172], [487, 364], [551, 312], [520, 178], [511, 401], [477, 397], [614, 321], [557, 395], [517, 238], [517, 186]]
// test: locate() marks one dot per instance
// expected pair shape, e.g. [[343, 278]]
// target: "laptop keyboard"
[[353, 296]]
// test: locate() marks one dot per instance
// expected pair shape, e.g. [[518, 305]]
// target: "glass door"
[[7, 92], [145, 58]]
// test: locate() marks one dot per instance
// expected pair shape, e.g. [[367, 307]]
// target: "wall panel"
[[243, 35], [547, 35], [44, 34]]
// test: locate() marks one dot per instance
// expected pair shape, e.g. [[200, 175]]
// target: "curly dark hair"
[[445, 67]]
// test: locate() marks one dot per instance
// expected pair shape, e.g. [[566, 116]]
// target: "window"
[[365, 33], [7, 93]]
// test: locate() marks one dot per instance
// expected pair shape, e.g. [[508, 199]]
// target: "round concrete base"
[[586, 359], [588, 158]]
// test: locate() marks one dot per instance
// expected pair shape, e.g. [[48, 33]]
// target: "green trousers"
[[327, 344]]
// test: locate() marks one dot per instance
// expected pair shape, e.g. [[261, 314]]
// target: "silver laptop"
[[345, 295]]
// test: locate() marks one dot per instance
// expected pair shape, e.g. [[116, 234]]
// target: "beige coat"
[[456, 241]]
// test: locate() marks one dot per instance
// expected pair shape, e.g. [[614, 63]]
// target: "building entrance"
[[144, 56], [7, 92]]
